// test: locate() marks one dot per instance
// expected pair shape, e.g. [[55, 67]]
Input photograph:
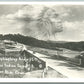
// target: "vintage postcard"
[[42, 40]]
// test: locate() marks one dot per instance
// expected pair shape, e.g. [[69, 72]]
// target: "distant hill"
[[56, 41], [77, 46]]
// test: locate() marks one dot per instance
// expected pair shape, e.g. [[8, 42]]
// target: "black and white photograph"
[[41, 41]]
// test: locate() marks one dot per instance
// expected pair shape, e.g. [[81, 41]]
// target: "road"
[[67, 69], [63, 67]]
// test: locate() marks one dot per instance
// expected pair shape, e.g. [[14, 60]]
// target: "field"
[[9, 61], [51, 73], [12, 67], [66, 52]]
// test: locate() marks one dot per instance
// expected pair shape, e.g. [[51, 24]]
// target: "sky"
[[15, 19]]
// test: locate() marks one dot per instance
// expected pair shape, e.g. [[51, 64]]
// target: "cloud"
[[46, 24], [24, 21], [9, 26], [34, 10], [24, 11], [73, 31], [27, 18]]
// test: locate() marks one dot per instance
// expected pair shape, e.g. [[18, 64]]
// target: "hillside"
[[77, 46]]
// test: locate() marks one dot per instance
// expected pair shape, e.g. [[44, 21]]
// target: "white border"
[[40, 3], [42, 79], [33, 80]]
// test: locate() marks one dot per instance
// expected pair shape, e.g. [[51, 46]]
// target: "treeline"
[[78, 46]]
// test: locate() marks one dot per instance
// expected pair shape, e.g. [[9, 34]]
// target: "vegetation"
[[77, 46]]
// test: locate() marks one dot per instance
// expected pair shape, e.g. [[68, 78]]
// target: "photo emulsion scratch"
[[41, 41]]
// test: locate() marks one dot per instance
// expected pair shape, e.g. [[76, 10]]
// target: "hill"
[[77, 46]]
